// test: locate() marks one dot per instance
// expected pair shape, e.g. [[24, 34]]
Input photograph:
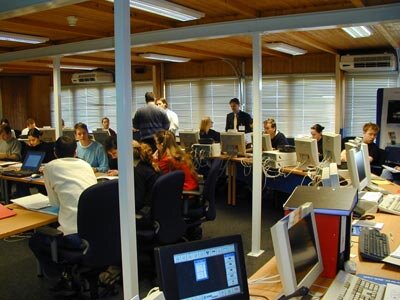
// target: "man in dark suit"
[[237, 119]]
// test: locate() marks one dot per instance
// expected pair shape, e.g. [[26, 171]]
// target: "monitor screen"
[[48, 134], [206, 269], [359, 166], [331, 147], [266, 143], [100, 136], [33, 160], [393, 114], [233, 143], [187, 139], [306, 152], [296, 247]]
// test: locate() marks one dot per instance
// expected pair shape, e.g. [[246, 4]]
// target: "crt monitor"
[[100, 136], [233, 143], [187, 139], [69, 132], [359, 166], [306, 152], [266, 143], [48, 134], [205, 269], [296, 247], [331, 147]]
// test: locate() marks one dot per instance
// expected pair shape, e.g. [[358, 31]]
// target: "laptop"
[[31, 165]]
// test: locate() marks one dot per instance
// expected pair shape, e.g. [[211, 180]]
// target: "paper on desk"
[[393, 170], [35, 201], [396, 253], [381, 181], [367, 223], [7, 163], [372, 196]]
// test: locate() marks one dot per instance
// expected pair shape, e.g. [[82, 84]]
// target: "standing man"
[[10, 147], [238, 120], [172, 117], [149, 120]]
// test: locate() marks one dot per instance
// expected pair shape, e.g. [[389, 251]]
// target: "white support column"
[[257, 150], [125, 154], [57, 95]]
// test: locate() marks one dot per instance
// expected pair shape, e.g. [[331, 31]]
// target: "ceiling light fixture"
[[285, 48], [22, 38], [167, 9], [163, 57], [72, 67], [358, 31]]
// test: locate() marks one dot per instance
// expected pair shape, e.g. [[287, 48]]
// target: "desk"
[[23, 221], [363, 267]]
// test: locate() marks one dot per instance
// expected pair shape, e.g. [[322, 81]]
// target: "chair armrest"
[[53, 234]]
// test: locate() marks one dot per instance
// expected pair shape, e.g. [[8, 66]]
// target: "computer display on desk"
[[306, 152], [100, 136], [331, 147], [187, 139], [296, 247], [206, 269], [359, 166], [69, 132], [266, 143], [48, 134], [233, 143]]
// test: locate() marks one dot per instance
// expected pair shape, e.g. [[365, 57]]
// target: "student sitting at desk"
[[169, 157], [206, 132], [35, 144], [316, 133], [30, 124], [65, 179], [110, 145], [10, 147], [5, 121], [277, 138], [90, 151]]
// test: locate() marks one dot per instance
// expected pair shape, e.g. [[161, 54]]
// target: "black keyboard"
[[17, 173], [373, 244]]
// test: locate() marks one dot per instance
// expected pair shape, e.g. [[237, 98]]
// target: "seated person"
[[110, 145], [65, 179], [169, 157], [90, 151], [316, 133], [277, 138], [105, 122], [30, 124], [10, 147], [206, 132], [35, 144], [5, 121]]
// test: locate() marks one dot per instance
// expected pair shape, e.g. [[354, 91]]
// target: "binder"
[[333, 211], [6, 212]]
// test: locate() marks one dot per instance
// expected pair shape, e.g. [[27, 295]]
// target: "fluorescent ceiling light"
[[22, 38], [72, 67], [358, 31], [163, 57], [167, 9], [282, 47]]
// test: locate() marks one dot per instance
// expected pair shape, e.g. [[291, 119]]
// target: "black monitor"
[[187, 139], [206, 269]]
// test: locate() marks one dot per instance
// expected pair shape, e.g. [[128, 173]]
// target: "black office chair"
[[376, 166], [99, 229], [199, 207]]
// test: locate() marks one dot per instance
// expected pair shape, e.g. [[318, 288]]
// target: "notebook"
[[31, 164], [6, 212]]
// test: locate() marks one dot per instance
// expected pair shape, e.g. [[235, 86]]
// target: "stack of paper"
[[37, 202]]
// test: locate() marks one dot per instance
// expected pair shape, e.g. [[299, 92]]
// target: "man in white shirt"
[[65, 179], [30, 124], [172, 117]]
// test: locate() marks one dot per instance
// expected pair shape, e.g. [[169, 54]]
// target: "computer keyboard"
[[390, 204], [350, 287], [374, 188], [373, 244]]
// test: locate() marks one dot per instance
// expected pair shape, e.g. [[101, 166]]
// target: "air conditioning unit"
[[92, 77], [368, 62]]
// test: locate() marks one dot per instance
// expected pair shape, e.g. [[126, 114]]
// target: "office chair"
[[199, 207], [99, 229]]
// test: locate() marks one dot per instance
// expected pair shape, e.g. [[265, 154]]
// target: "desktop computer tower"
[[333, 214]]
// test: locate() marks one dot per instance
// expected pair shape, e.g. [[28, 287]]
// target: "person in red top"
[[169, 157]]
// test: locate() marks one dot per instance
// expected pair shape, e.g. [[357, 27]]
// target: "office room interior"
[[331, 80]]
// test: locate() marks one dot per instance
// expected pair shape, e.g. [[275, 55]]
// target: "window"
[[88, 104], [360, 99]]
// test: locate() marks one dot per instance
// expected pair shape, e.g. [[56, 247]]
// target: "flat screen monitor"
[[206, 269], [296, 247], [393, 114], [233, 143], [306, 152], [187, 139], [48, 134], [331, 147], [100, 136], [359, 166], [266, 143], [69, 132]]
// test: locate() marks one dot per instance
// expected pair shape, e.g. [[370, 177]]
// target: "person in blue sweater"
[[90, 151]]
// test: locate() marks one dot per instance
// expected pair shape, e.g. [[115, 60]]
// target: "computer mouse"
[[36, 176]]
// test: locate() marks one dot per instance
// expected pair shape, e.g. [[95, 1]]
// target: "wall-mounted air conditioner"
[[92, 77], [368, 62]]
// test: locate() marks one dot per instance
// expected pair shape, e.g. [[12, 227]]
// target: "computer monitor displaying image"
[[306, 152], [331, 147], [205, 269], [297, 250], [233, 143], [393, 113], [187, 139], [359, 166], [266, 143]]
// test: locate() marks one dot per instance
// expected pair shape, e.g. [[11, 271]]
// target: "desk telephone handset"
[[287, 148]]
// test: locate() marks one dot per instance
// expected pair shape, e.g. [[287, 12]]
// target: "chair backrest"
[[209, 189], [166, 207], [99, 224]]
